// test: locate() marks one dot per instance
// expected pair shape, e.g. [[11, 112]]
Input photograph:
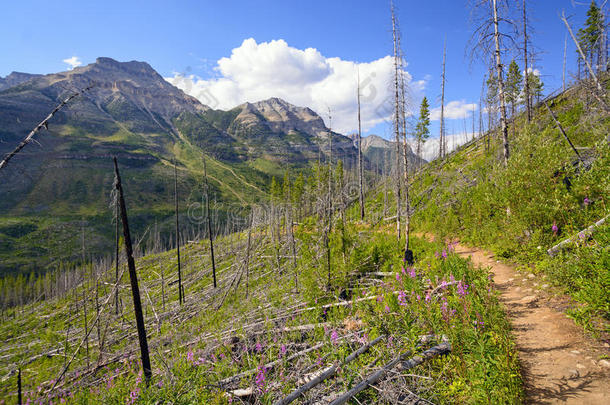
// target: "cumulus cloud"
[[304, 77], [454, 110], [73, 62], [430, 148]]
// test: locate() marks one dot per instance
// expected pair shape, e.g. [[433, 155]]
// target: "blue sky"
[[188, 38]]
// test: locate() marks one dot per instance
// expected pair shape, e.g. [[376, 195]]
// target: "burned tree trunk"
[[329, 201], [207, 200], [526, 88], [360, 180], [133, 277], [116, 257], [180, 290], [503, 119], [396, 123], [441, 139]]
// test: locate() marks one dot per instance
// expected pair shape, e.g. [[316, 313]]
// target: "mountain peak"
[[15, 78], [281, 116], [132, 66]]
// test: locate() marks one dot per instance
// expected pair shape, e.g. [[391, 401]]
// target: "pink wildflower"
[[334, 337]]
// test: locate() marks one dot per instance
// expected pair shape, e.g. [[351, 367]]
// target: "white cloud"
[[529, 69], [257, 71], [73, 62], [454, 110], [430, 148]]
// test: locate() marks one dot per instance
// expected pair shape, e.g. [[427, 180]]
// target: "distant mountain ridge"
[[15, 78], [380, 151], [132, 112]]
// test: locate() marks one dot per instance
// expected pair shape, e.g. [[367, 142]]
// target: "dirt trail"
[[560, 364]]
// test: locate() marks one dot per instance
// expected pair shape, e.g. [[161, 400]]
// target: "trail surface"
[[560, 364]]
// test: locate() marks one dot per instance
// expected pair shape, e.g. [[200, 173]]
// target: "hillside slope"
[[59, 189], [545, 195], [277, 320]]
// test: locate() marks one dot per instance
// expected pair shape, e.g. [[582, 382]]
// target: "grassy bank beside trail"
[[544, 195]]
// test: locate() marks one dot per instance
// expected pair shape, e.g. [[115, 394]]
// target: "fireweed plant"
[[441, 294]]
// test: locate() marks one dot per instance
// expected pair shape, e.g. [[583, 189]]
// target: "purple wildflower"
[[397, 276], [402, 298], [444, 309], [334, 337], [462, 289], [282, 350], [428, 297], [444, 254], [258, 347], [555, 228], [411, 272], [260, 378], [387, 309], [586, 201], [189, 355]]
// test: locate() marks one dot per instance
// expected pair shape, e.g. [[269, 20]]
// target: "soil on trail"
[[560, 364]]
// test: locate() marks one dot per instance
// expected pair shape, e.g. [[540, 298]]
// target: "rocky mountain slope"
[[57, 189], [381, 152]]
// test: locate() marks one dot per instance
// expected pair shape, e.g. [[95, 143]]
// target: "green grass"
[[204, 344], [512, 209]]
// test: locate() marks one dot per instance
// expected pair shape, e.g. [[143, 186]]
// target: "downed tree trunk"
[[563, 132], [403, 365], [267, 366], [585, 233], [328, 372]]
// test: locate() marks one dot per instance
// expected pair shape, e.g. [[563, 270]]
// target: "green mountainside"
[[59, 188]]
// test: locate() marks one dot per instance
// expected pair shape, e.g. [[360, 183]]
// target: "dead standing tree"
[[408, 253], [395, 37], [488, 39], [329, 207], [441, 139], [133, 277], [360, 180], [207, 200], [526, 87], [180, 290]]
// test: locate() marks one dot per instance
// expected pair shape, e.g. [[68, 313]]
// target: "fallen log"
[[402, 364], [326, 373], [585, 233], [268, 366]]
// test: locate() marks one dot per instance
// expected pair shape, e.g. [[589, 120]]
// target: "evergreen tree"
[[590, 36], [422, 130], [536, 86], [514, 80], [276, 191]]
